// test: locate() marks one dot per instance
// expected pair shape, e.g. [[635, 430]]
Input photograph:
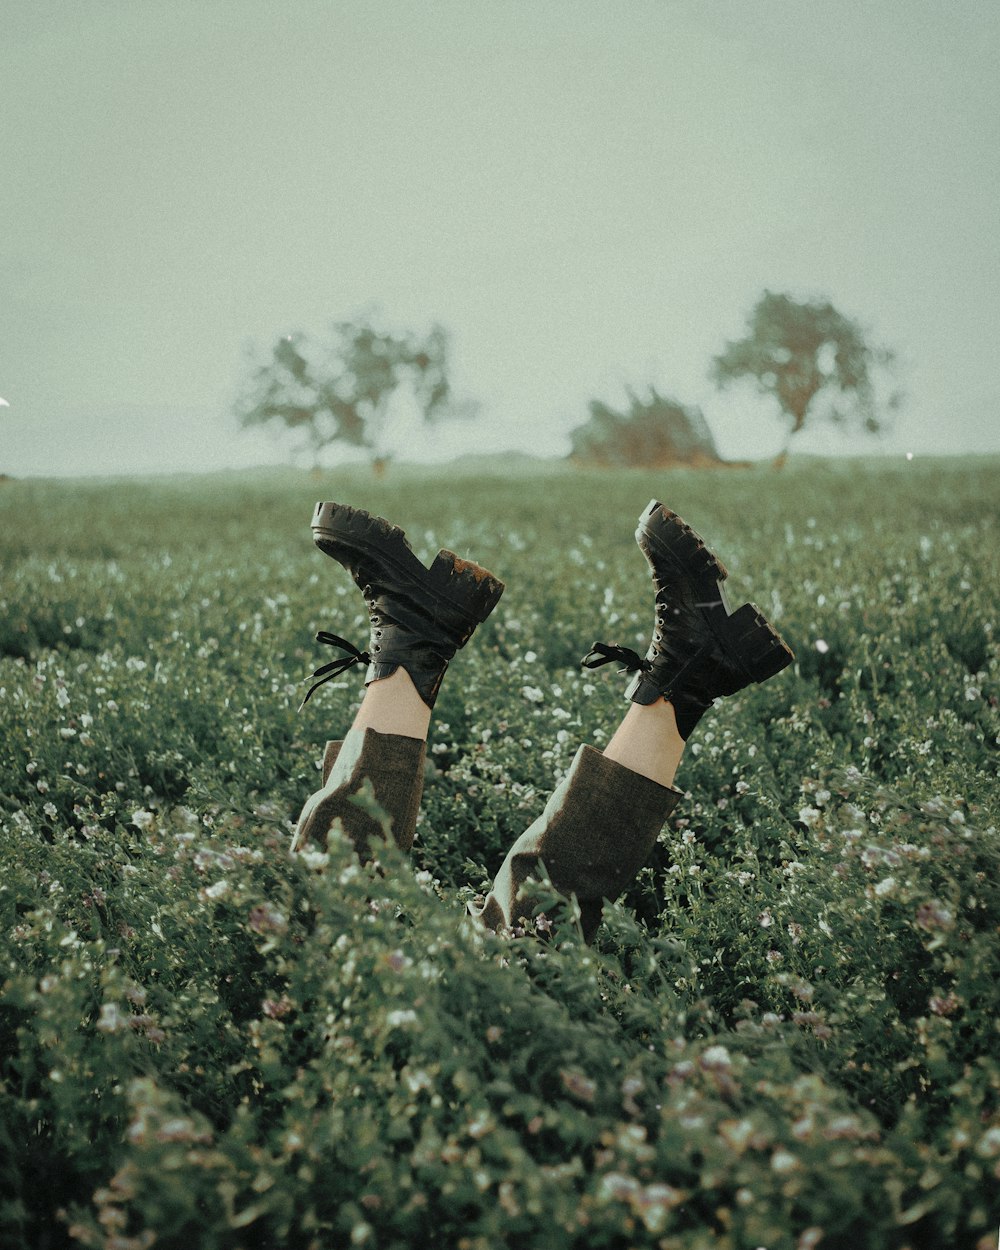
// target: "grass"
[[785, 1032]]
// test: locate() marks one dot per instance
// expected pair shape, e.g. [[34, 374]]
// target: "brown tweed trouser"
[[595, 833]]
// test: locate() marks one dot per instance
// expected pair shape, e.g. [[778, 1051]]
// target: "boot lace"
[[609, 653], [326, 672]]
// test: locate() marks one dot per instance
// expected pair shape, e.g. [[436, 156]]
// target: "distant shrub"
[[655, 432]]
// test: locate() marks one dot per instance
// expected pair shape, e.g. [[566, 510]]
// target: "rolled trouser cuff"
[[394, 765], [596, 832]]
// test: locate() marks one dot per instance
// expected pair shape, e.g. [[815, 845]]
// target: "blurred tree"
[[799, 351], [655, 432], [342, 390]]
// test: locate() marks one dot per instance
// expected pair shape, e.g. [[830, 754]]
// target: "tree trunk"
[[317, 469], [781, 459]]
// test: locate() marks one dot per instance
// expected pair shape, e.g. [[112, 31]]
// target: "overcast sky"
[[588, 194]]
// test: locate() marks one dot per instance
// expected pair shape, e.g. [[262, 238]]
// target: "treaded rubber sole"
[[460, 584], [678, 543], [664, 537]]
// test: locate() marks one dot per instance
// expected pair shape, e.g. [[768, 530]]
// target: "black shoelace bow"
[[328, 671], [607, 653]]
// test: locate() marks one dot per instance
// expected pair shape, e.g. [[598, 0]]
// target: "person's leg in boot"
[[385, 745], [419, 618], [601, 822], [598, 826]]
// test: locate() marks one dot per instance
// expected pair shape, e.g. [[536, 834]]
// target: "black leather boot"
[[419, 616], [701, 649]]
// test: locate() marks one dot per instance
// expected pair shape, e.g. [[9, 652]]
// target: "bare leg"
[[647, 741], [393, 706]]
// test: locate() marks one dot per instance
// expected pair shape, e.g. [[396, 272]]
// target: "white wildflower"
[[110, 1019], [616, 1185], [989, 1144], [396, 1019]]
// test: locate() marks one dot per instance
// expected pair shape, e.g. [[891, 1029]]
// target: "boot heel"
[[466, 586], [749, 640], [674, 540]]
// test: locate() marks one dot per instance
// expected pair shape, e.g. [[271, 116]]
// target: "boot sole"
[[746, 636], [457, 584], [683, 548]]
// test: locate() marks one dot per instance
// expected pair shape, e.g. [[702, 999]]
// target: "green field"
[[785, 1034]]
